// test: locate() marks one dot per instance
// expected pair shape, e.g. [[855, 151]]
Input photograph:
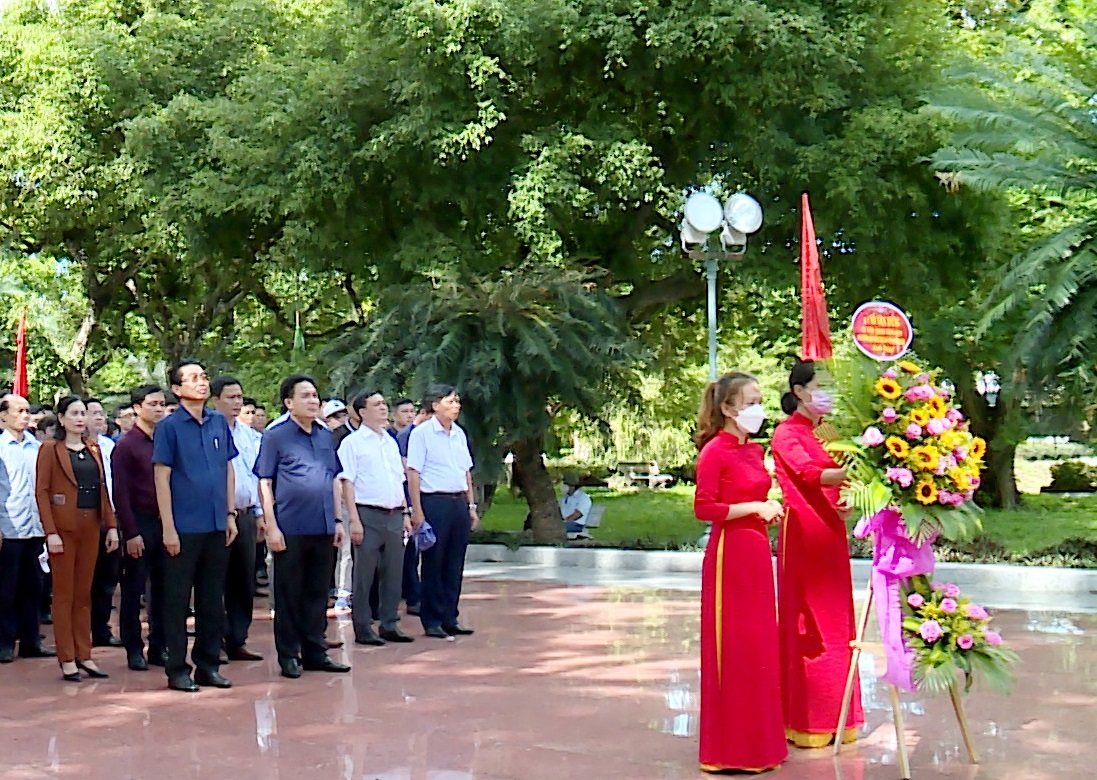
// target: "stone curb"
[[985, 577]]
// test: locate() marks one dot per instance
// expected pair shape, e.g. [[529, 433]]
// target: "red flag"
[[20, 385], [815, 326]]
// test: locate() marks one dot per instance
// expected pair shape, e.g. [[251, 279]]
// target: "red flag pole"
[[815, 326], [20, 385]]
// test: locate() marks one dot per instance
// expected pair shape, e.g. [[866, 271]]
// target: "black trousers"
[[137, 573], [410, 589], [103, 584], [301, 575], [20, 592], [240, 582], [199, 567], [444, 563]]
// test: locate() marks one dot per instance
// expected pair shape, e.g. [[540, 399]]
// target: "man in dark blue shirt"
[[190, 455], [297, 466]]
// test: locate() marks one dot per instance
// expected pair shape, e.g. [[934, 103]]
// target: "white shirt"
[[576, 502], [371, 462], [247, 441], [19, 511], [442, 458], [106, 448]]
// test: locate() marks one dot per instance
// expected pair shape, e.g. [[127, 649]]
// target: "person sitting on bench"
[[575, 507]]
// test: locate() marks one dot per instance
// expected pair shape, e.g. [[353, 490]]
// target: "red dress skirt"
[[741, 723], [815, 591]]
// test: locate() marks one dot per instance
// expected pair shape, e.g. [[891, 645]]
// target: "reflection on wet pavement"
[[559, 682]]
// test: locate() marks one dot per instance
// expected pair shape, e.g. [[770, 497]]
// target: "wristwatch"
[[407, 512], [234, 513], [472, 506]]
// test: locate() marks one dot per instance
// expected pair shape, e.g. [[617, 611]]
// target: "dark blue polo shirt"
[[198, 455], [303, 467]]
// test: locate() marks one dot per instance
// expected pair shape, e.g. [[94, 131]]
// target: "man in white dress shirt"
[[108, 566], [373, 483], [440, 485], [21, 535], [228, 398]]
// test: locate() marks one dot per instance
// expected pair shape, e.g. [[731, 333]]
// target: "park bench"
[[645, 474]]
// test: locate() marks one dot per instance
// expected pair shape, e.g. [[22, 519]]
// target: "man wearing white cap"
[[337, 418]]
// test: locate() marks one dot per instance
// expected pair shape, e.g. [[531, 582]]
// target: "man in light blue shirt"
[[439, 472], [21, 535], [227, 395]]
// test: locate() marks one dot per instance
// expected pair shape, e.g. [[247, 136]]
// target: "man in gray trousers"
[[373, 483]]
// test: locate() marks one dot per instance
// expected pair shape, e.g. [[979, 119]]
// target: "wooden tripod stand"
[[859, 644]]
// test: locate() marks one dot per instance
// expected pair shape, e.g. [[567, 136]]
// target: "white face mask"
[[751, 418]]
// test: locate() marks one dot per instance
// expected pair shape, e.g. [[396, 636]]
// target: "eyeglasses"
[[190, 380]]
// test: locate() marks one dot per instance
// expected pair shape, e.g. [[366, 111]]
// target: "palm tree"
[[1029, 129], [518, 346]]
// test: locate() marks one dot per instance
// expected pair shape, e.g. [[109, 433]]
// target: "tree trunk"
[[999, 488], [536, 485]]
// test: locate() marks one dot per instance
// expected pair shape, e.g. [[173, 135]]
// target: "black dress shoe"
[[369, 638], [158, 658], [413, 609], [291, 668], [36, 651], [243, 654], [72, 676], [107, 641], [7, 655], [437, 633], [333, 644], [208, 679], [325, 665], [183, 683], [395, 635], [137, 662], [98, 674], [46, 619], [458, 630]]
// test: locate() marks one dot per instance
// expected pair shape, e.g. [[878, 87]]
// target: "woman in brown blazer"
[[72, 499]]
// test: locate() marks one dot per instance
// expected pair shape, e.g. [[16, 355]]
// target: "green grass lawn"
[[663, 519]]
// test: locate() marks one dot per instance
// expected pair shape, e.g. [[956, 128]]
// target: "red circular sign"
[[882, 330]]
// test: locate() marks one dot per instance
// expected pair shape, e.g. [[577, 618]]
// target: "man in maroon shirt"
[[139, 522]]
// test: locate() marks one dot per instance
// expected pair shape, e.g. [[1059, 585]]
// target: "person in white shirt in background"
[[21, 535], [108, 566], [373, 488], [575, 508], [227, 395], [336, 415]]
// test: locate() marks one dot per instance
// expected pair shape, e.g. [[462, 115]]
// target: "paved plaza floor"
[[560, 681]]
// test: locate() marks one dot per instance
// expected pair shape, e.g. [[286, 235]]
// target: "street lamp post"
[[739, 217]]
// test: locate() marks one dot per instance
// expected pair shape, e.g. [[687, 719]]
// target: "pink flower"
[[905, 477], [955, 415], [930, 631], [937, 426], [914, 430], [944, 497], [960, 453], [872, 436], [976, 482], [891, 373], [968, 495], [993, 638], [923, 378], [975, 612], [952, 591], [958, 498], [948, 606], [889, 415], [937, 587], [915, 600], [965, 642]]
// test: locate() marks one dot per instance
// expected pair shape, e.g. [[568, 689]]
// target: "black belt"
[[462, 494], [248, 509], [384, 509]]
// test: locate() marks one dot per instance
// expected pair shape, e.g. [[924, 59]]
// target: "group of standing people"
[[186, 497], [774, 657]]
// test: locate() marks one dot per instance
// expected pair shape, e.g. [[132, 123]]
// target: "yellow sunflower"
[[961, 477], [920, 416], [938, 406], [925, 457], [977, 449], [950, 440], [910, 368], [926, 492], [888, 388], [897, 447]]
